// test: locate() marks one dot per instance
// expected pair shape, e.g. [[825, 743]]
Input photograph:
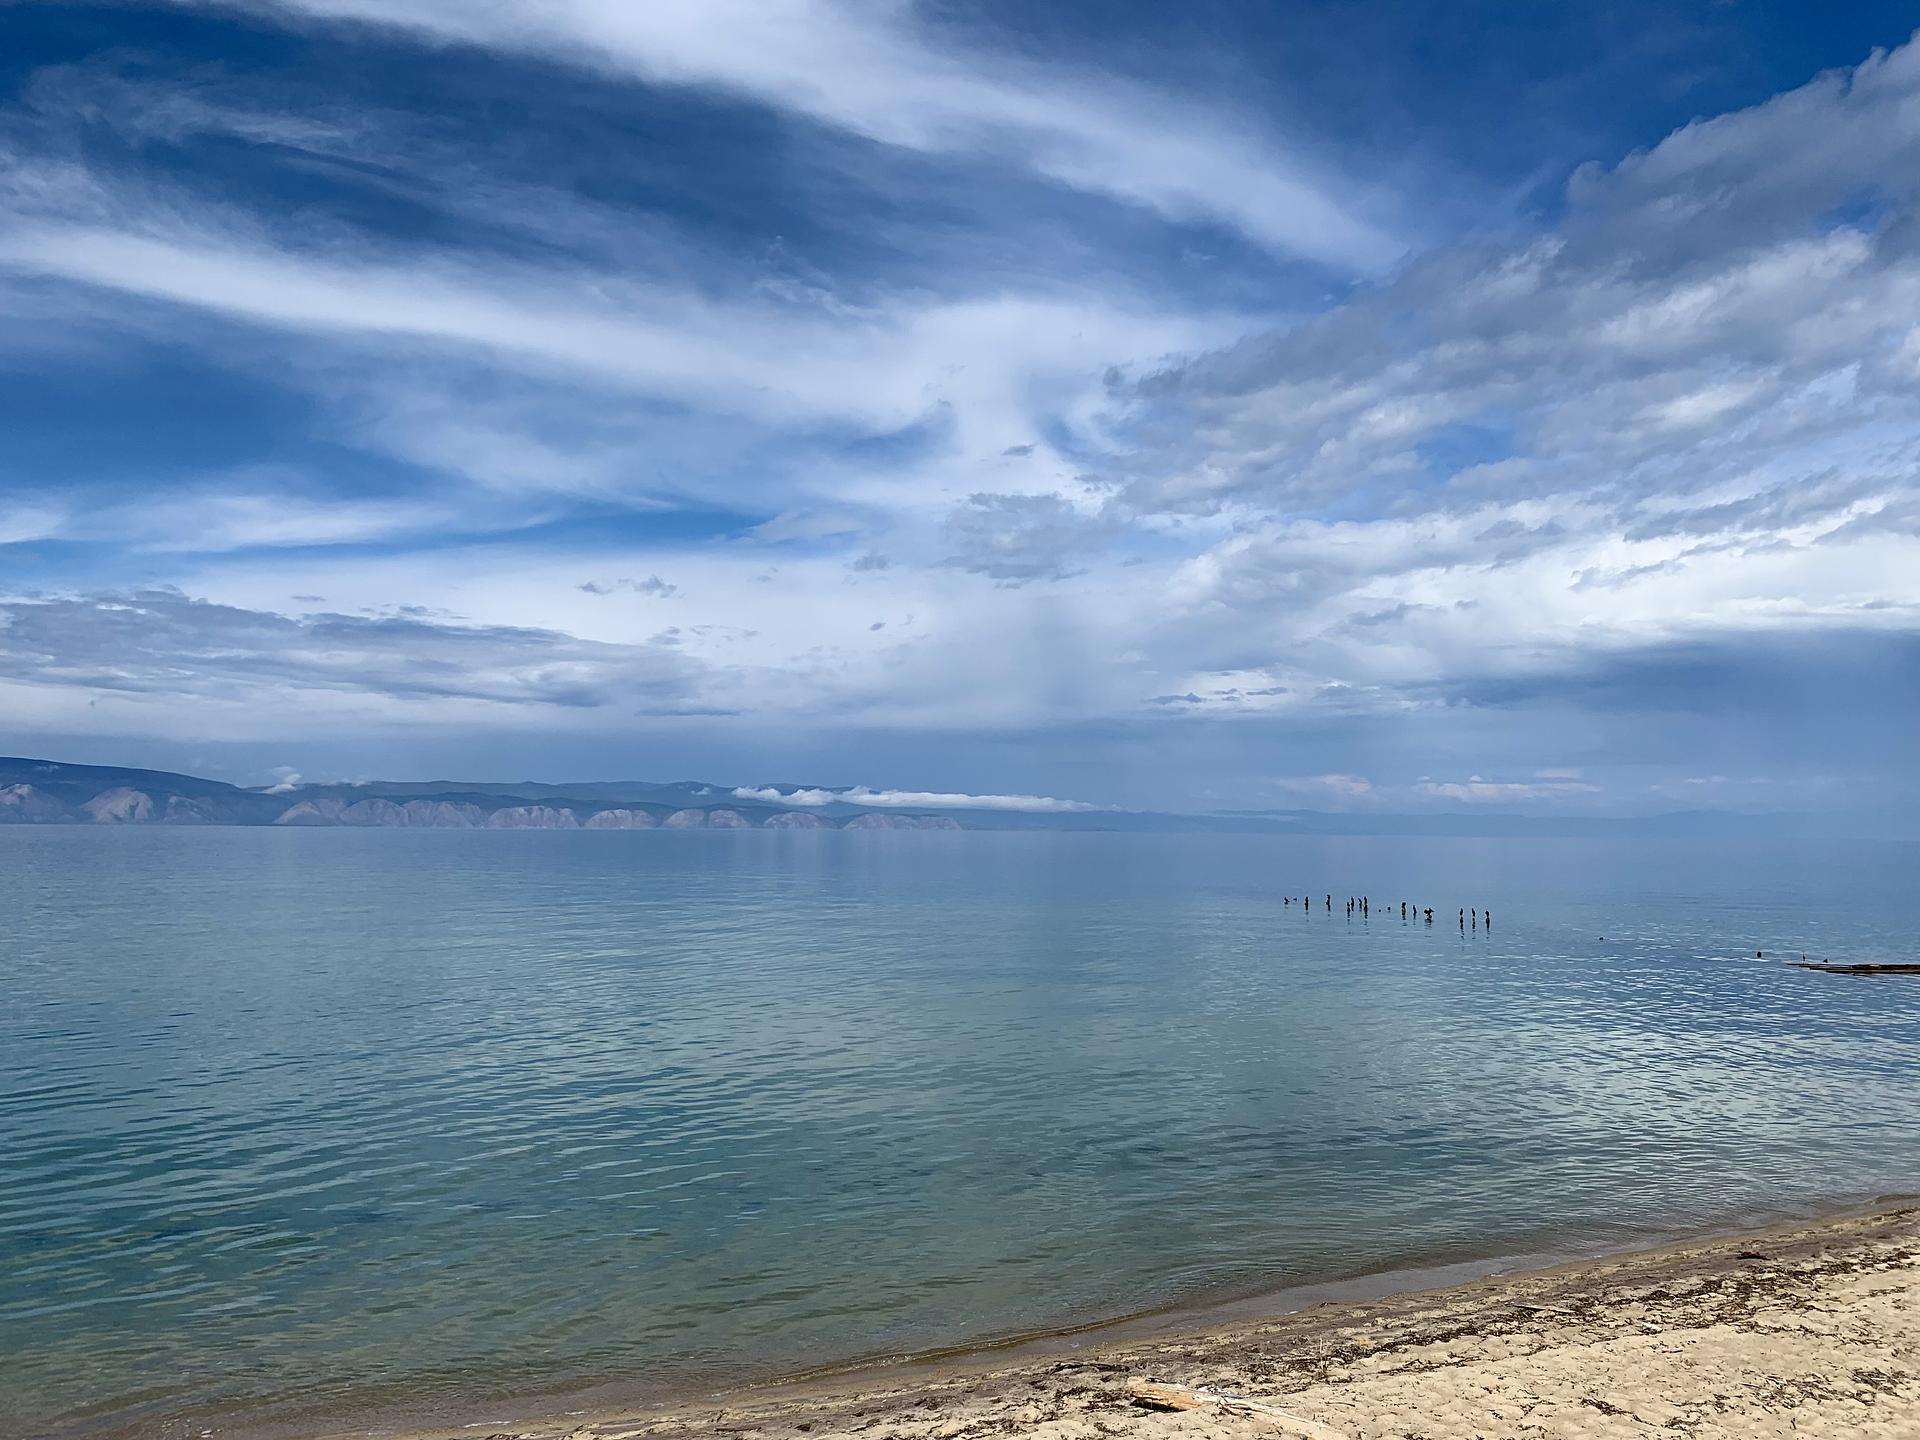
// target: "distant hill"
[[49, 792]]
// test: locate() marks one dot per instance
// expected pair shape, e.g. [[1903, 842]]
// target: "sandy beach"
[[1802, 1330]]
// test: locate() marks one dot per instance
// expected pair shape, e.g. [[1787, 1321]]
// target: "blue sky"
[[1243, 405]]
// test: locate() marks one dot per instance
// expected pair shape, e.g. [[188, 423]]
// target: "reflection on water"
[[342, 1118]]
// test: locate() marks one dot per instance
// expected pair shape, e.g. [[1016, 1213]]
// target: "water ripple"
[[334, 1119]]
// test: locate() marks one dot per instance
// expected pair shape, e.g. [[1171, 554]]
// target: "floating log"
[[1833, 969], [1163, 1396]]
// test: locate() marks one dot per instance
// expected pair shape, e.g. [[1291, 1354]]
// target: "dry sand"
[[1810, 1330]]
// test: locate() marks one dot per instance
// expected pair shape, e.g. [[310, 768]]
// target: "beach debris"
[[1164, 1396]]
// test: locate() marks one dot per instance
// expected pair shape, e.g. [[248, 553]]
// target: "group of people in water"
[[1362, 906]]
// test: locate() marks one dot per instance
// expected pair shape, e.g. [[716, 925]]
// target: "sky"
[[1233, 405]]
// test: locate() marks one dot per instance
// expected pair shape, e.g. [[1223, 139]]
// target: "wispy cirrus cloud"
[[21, 522], [885, 73], [561, 378]]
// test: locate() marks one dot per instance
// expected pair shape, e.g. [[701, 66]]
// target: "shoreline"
[[1478, 1340]]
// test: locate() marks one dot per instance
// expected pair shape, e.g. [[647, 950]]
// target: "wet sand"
[[1811, 1329]]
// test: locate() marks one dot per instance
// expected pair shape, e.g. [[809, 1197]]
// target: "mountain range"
[[49, 792], [52, 792]]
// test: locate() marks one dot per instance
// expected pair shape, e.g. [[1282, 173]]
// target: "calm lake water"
[[302, 1122]]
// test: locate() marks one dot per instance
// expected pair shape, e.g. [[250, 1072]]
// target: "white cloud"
[[1692, 403], [22, 523], [1478, 790], [215, 520], [520, 378], [1328, 787], [1358, 793], [665, 343], [1699, 311], [811, 525], [162, 645], [1711, 404], [879, 72]]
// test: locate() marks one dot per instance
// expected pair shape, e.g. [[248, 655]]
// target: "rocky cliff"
[[532, 817], [312, 812], [23, 804], [120, 806], [422, 814], [620, 820]]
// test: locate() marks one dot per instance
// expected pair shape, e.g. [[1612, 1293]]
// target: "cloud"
[[666, 343], [162, 643], [548, 377], [1675, 426], [1477, 790], [1328, 787], [653, 585], [1701, 296], [810, 525], [903, 82], [21, 523], [1358, 792], [207, 520], [1016, 538], [913, 800]]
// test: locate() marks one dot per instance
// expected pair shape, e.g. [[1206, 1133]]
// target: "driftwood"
[[1834, 969], [1184, 1397]]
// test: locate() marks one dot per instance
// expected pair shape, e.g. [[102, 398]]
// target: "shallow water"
[[301, 1121]]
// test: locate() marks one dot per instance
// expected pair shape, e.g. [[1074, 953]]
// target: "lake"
[[401, 1123]]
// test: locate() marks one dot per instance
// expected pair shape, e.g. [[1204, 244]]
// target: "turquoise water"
[[297, 1123]]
